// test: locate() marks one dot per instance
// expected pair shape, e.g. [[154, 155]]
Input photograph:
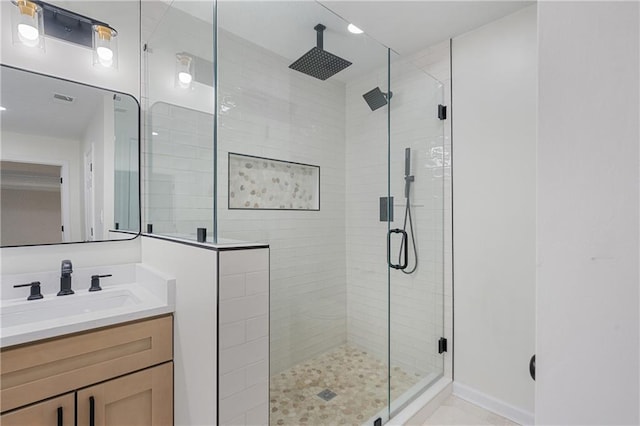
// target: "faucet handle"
[[35, 290], [95, 282]]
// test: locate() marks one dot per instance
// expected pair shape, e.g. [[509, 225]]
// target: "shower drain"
[[327, 394]]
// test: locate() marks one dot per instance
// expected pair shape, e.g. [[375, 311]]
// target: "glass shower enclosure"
[[328, 146]]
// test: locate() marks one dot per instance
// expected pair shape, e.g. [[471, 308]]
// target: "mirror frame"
[[133, 233]]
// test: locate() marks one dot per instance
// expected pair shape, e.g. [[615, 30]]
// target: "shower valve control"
[[442, 345], [442, 112]]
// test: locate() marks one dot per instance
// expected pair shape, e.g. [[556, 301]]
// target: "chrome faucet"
[[65, 278]]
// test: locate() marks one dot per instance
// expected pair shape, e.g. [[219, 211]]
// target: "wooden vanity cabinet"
[[57, 411], [144, 398], [119, 375]]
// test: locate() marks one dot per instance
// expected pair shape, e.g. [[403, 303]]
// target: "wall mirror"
[[69, 161]]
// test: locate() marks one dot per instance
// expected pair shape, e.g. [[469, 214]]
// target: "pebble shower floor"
[[358, 379]]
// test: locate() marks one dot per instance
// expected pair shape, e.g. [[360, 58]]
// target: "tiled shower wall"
[[267, 110], [416, 317]]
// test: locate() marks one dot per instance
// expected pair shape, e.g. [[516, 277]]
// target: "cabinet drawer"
[[43, 369]]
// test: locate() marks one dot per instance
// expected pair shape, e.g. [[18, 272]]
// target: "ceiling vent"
[[63, 99]]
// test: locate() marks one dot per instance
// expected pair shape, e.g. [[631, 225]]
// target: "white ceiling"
[[286, 27], [32, 109], [408, 26]]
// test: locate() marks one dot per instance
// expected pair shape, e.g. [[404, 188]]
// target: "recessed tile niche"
[[266, 183]]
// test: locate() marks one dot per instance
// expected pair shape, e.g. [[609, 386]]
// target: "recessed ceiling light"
[[2, 108], [353, 29]]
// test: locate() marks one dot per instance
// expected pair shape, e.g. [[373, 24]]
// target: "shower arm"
[[319, 42]]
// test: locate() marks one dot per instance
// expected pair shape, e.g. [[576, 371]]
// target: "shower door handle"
[[404, 244]]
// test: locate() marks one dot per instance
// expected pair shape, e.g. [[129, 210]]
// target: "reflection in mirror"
[[69, 168]]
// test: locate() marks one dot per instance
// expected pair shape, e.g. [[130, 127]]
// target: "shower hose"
[[407, 215]]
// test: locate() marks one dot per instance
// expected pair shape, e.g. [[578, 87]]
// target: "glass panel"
[[328, 314], [416, 178], [178, 101]]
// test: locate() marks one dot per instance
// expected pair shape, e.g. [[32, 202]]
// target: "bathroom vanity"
[[115, 375], [101, 357]]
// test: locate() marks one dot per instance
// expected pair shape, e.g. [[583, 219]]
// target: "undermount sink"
[[134, 292], [65, 306]]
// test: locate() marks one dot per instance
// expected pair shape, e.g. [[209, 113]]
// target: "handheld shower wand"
[[408, 179]]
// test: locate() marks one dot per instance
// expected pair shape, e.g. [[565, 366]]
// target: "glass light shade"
[[27, 24], [105, 46], [184, 70]]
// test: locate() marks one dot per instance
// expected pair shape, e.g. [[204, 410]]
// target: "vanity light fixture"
[[184, 70], [354, 30], [105, 46], [33, 19], [28, 28]]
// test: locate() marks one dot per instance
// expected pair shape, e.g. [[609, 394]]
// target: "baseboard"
[[492, 404]]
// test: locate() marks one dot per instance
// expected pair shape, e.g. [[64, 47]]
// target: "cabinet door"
[[57, 411], [137, 399]]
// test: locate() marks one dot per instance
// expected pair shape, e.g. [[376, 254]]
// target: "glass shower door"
[[416, 233]]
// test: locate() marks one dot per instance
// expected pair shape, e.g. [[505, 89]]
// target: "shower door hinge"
[[442, 112], [442, 345]]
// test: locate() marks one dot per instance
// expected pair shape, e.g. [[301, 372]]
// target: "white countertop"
[[134, 292]]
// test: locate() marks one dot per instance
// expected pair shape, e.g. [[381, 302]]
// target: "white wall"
[[75, 63], [99, 137], [195, 333], [46, 150], [587, 285], [494, 201]]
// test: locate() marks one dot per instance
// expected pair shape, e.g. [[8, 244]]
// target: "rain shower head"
[[376, 98], [319, 63]]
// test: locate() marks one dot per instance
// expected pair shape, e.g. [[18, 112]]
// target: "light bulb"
[[29, 35], [105, 56], [185, 79], [2, 108], [353, 29]]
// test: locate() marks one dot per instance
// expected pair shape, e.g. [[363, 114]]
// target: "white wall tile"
[[232, 383], [257, 327], [232, 334], [258, 416], [242, 261], [257, 373], [232, 286], [257, 282]]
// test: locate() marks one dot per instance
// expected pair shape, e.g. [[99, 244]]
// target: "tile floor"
[[358, 379], [456, 411]]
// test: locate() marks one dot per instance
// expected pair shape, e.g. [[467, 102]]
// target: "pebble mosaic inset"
[[262, 183], [358, 379]]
